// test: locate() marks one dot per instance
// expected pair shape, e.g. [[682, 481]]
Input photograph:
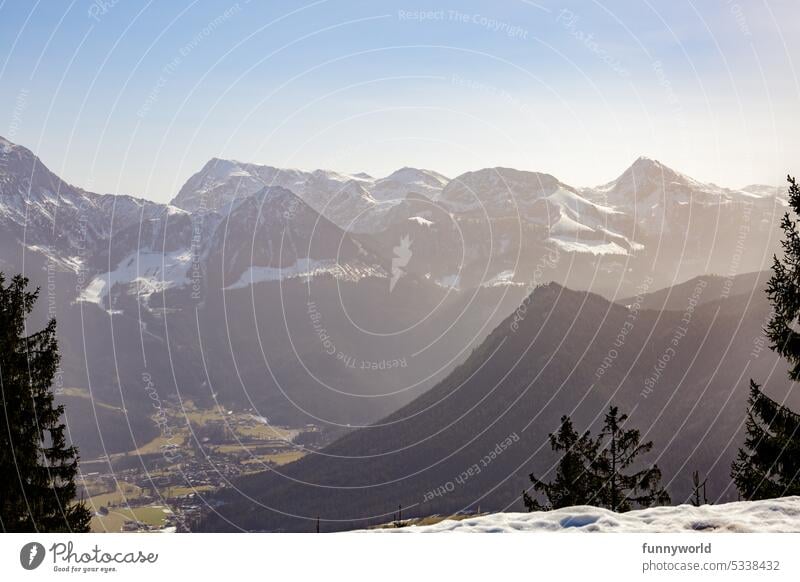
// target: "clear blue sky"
[[133, 97]]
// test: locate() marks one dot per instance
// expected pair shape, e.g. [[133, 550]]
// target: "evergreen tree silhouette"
[[574, 483], [620, 489], [37, 469], [769, 463]]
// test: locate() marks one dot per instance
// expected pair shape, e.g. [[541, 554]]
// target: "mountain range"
[[337, 299], [489, 227]]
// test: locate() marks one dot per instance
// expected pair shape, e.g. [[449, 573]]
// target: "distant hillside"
[[470, 442], [717, 287]]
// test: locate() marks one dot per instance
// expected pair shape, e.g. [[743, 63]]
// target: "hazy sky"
[[133, 97]]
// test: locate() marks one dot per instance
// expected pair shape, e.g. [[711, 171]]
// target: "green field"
[[151, 515], [124, 493]]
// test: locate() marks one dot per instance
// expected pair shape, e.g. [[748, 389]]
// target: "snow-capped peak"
[[497, 189], [400, 183], [646, 169], [647, 161], [6, 146], [409, 175], [221, 168], [649, 184]]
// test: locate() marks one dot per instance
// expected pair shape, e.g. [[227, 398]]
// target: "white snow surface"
[[588, 246], [421, 221], [503, 279], [151, 271], [63, 263], [306, 269], [449, 281], [769, 515]]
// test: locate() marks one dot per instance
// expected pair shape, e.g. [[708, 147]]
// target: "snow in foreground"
[[772, 515]]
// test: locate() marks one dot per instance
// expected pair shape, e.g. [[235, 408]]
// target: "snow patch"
[[421, 221], [577, 204], [567, 226], [175, 211], [73, 263], [593, 247], [769, 515], [504, 279], [151, 272], [306, 269], [449, 281]]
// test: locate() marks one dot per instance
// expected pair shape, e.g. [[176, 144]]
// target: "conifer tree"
[[619, 489], [37, 468], [783, 289], [769, 463], [574, 482]]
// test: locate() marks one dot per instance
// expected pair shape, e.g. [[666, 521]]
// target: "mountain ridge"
[[516, 385]]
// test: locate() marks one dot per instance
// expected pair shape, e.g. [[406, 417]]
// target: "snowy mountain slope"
[[541, 199], [220, 181], [500, 222], [688, 228], [268, 236], [498, 191], [647, 181], [274, 235], [60, 220], [770, 515], [655, 195], [344, 199], [399, 184], [146, 272]]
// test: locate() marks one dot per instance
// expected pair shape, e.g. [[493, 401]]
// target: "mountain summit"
[[648, 184]]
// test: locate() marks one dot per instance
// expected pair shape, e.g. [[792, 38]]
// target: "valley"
[[164, 485]]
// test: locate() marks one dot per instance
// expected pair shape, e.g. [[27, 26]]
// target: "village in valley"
[[167, 485]]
